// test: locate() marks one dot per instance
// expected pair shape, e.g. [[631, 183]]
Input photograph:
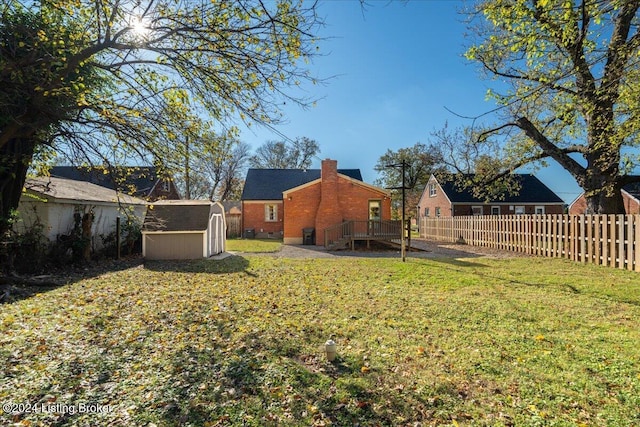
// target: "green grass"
[[524, 342], [254, 245]]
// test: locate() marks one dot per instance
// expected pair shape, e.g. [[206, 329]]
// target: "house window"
[[438, 212], [166, 186], [519, 210], [432, 190], [270, 213], [476, 210], [426, 212], [539, 210], [495, 210]]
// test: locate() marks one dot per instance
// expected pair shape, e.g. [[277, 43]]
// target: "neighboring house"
[[441, 198], [53, 202], [630, 198], [183, 229], [283, 202], [139, 181]]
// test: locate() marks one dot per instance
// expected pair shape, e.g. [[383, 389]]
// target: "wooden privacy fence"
[[234, 225], [612, 240]]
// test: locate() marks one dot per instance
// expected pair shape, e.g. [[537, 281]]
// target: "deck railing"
[[350, 231]]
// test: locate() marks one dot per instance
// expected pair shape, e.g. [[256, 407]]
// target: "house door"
[[374, 210], [374, 216]]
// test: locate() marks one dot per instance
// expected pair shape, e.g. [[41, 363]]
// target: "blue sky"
[[397, 67]]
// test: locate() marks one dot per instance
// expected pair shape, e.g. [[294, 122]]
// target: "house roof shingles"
[[532, 190], [140, 178], [633, 189], [269, 184], [68, 189]]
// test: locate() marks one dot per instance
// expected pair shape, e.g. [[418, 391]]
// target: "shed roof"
[[178, 215], [532, 190], [269, 184], [60, 189]]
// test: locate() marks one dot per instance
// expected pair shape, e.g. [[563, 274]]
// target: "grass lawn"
[[495, 342], [254, 245]]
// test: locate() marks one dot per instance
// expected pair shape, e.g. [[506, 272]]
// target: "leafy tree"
[[420, 160], [226, 174], [216, 172], [472, 166], [297, 154], [89, 77], [571, 88]]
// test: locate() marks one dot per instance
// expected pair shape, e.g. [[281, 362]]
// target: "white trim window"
[[432, 190], [476, 210], [495, 210], [438, 212], [539, 210], [270, 213], [519, 210]]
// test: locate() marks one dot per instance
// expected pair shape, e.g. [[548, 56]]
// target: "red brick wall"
[[354, 201], [579, 206], [329, 210], [346, 200], [432, 202], [302, 205], [253, 216]]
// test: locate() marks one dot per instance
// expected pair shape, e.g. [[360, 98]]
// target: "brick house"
[[139, 181], [630, 199], [441, 198], [283, 202]]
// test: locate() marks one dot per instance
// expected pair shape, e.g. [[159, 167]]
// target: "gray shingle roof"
[[140, 178], [268, 184], [72, 190], [633, 189], [532, 191], [177, 215]]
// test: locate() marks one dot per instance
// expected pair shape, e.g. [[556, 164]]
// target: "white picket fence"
[[611, 240]]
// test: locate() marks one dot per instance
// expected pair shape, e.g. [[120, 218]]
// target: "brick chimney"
[[328, 213]]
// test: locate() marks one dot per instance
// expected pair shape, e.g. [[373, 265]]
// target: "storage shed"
[[183, 229]]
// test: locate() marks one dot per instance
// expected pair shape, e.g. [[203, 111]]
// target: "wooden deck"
[[348, 233]]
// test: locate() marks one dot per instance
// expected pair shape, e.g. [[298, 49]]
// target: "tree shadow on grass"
[[17, 288], [230, 264], [260, 382]]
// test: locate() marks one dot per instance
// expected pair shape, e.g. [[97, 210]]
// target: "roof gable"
[[269, 184], [532, 190]]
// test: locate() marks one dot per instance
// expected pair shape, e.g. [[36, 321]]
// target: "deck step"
[[342, 243]]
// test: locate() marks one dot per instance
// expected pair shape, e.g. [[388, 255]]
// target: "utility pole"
[[403, 246]]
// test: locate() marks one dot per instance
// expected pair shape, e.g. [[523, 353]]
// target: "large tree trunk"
[[599, 202], [15, 158], [603, 190]]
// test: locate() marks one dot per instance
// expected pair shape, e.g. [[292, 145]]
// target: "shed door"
[[216, 234]]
